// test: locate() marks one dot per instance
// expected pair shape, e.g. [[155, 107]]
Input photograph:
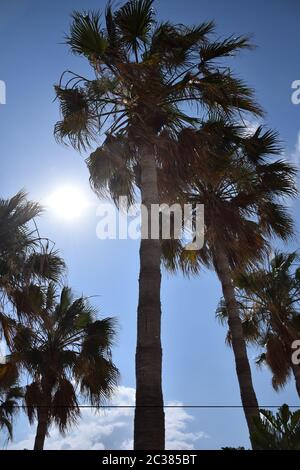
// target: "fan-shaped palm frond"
[[111, 170], [228, 47], [134, 20], [64, 345], [278, 432], [86, 37], [10, 395], [270, 297]]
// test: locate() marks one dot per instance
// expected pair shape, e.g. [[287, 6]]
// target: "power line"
[[158, 406]]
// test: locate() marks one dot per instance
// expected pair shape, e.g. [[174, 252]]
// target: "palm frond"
[[65, 410], [78, 125], [86, 37], [111, 172], [135, 19], [228, 47]]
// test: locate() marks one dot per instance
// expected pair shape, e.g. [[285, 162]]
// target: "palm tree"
[[10, 395], [24, 256], [66, 352], [278, 432], [26, 260], [15, 215], [269, 299], [239, 189], [145, 74]]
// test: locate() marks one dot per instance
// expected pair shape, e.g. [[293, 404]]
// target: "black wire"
[[158, 406]]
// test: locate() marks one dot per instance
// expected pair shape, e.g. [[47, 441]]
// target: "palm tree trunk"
[[296, 372], [41, 431], [149, 425], [243, 370]]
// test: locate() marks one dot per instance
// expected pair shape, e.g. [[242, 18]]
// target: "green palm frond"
[[111, 172], [8, 375], [277, 360], [271, 293], [223, 94], [49, 266], [15, 215], [10, 396], [98, 379], [65, 410], [176, 44], [86, 37], [79, 124], [28, 301], [7, 328], [229, 47], [33, 399], [65, 301], [100, 336], [64, 344], [23, 339], [278, 179], [280, 431], [135, 19], [112, 32], [275, 220], [261, 144]]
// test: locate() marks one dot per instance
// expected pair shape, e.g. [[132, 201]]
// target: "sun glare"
[[67, 202]]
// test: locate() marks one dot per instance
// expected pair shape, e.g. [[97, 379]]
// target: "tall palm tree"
[[26, 262], [278, 432], [15, 215], [239, 189], [10, 395], [26, 259], [24, 256], [269, 299], [145, 74], [66, 352]]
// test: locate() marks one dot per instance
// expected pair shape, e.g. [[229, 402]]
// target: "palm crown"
[[67, 353], [146, 73], [232, 174], [269, 299], [26, 260]]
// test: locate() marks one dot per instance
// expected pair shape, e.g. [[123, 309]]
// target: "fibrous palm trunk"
[[243, 370], [41, 431], [149, 426]]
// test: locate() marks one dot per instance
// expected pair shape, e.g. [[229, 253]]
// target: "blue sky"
[[198, 367]]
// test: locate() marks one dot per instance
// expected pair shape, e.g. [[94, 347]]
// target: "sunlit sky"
[[198, 367]]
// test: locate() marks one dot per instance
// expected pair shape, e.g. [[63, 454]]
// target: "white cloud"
[[177, 435], [113, 429]]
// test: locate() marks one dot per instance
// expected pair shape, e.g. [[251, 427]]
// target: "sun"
[[67, 202]]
